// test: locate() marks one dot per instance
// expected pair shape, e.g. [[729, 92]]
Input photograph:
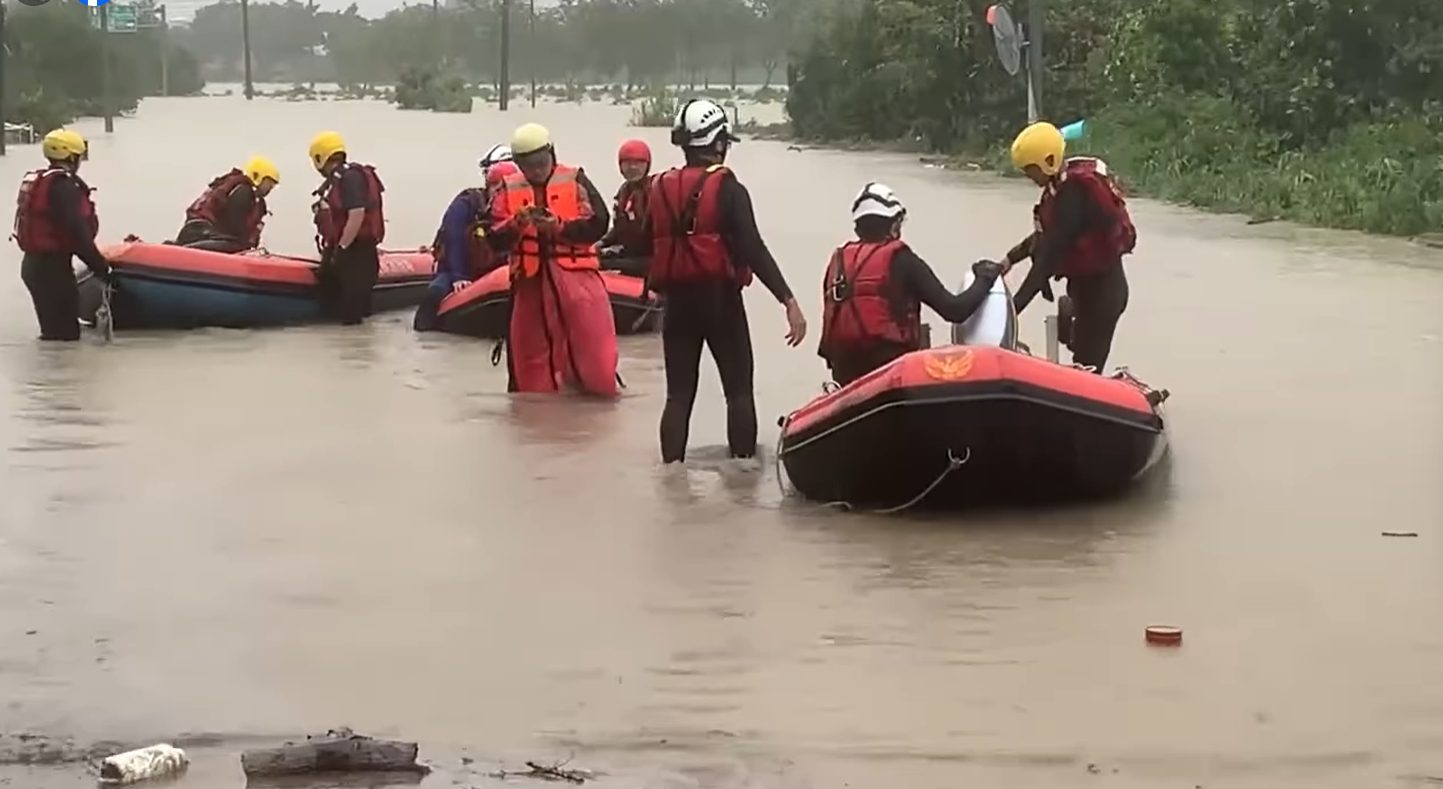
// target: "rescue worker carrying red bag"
[[705, 247], [1081, 231], [55, 220], [350, 226], [230, 213], [874, 288], [623, 248]]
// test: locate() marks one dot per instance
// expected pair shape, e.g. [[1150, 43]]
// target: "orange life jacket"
[[36, 229], [564, 196], [478, 252], [331, 214], [208, 207], [1102, 245], [858, 301], [686, 229]]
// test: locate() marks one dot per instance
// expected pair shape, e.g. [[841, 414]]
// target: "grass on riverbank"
[[1384, 176]]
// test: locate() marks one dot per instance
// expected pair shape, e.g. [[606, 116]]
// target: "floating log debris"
[[336, 751]]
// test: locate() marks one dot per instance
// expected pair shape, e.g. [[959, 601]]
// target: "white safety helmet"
[[699, 123], [498, 153], [877, 200]]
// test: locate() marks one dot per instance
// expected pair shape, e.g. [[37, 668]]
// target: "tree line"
[[1328, 111], [631, 42], [53, 65]]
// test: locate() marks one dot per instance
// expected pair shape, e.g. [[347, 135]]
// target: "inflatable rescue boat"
[[976, 423], [483, 308], [164, 286]]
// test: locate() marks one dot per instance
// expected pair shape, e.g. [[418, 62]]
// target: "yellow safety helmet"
[[529, 138], [1041, 144], [259, 168], [62, 144], [324, 146]]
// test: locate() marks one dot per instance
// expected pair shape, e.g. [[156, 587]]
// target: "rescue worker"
[[705, 247], [548, 218], [1081, 231], [622, 248], [55, 220], [350, 225], [229, 214], [460, 248], [501, 152], [874, 288]]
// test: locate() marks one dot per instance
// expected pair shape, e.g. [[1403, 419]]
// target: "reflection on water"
[[279, 532]]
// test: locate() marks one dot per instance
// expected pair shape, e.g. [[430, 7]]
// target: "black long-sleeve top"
[[917, 280], [742, 238], [64, 206], [503, 231], [1070, 218]]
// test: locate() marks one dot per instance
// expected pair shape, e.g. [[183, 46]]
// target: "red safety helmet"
[[498, 171], [634, 151]]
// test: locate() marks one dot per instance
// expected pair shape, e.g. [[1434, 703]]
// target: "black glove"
[[989, 270], [1047, 291]]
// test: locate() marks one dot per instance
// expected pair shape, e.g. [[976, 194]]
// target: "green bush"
[[658, 109]]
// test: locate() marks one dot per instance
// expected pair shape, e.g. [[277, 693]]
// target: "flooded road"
[[269, 533]]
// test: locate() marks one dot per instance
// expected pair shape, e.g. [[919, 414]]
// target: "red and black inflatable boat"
[[964, 425], [483, 308]]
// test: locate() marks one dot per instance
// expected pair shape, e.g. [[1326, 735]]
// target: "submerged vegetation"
[[54, 56], [1324, 111]]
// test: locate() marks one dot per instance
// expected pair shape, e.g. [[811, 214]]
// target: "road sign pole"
[[2, 78], [164, 54], [246, 45], [1035, 67], [105, 102]]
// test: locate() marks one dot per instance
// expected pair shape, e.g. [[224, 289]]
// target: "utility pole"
[[164, 54], [246, 44], [531, 58], [105, 101], [505, 54], [1034, 55], [2, 77]]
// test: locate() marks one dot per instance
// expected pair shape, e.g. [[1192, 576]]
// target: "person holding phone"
[[547, 219]]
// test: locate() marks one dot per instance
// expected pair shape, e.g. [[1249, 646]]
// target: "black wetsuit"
[[49, 276], [1098, 300], [231, 231], [712, 314], [352, 272], [913, 281]]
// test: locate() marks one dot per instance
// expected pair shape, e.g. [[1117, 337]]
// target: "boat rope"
[[104, 318], [953, 463], [619, 382], [777, 461], [496, 353]]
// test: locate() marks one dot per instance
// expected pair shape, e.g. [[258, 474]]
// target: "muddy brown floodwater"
[[261, 534]]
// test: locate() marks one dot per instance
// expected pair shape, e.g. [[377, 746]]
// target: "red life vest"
[[858, 298], [687, 245], [1102, 245], [208, 207], [331, 215], [629, 213], [478, 252], [36, 229]]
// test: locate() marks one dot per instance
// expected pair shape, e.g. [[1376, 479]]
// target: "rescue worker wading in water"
[[874, 288], [547, 219], [229, 215], [1082, 230], [705, 248], [55, 220], [350, 225], [623, 248], [460, 248]]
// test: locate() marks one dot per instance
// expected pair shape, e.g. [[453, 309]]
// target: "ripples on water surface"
[[268, 533]]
